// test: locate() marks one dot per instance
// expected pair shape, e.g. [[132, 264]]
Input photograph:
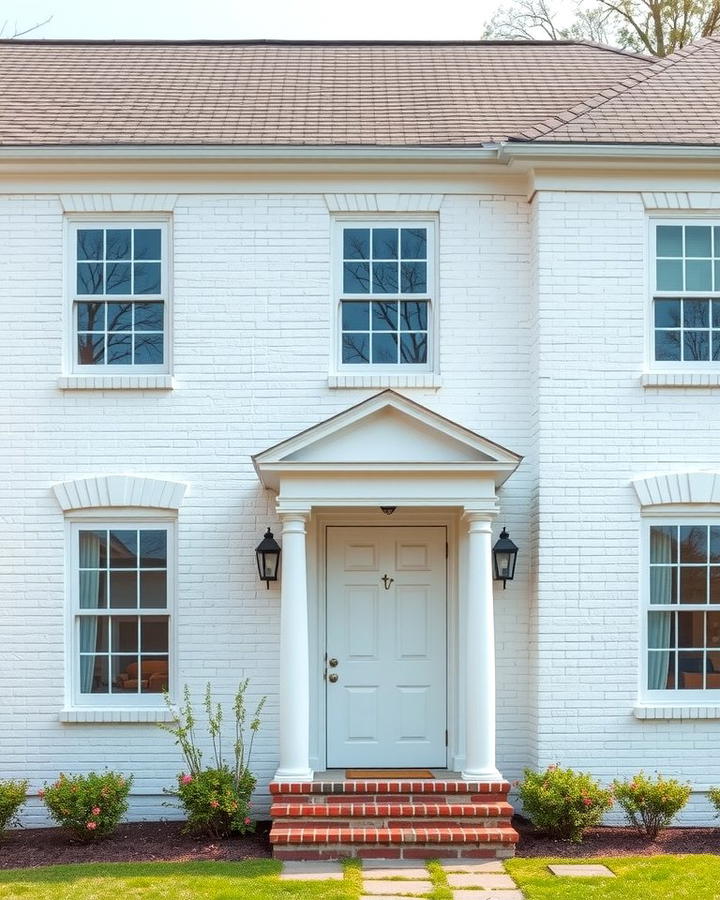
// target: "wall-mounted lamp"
[[267, 553], [388, 510], [504, 558]]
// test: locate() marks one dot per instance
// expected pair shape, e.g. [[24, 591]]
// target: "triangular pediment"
[[385, 432]]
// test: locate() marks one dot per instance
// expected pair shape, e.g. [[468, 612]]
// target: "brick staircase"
[[391, 819]]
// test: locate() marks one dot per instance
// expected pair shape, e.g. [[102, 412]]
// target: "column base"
[[489, 774], [294, 775]]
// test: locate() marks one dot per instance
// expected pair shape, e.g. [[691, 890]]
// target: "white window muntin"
[[660, 290], [429, 296], [117, 222], [678, 665], [77, 692]]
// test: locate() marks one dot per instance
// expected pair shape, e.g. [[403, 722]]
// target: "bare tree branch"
[[20, 32]]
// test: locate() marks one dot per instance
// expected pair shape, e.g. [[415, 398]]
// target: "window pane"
[[153, 590], [147, 243], [355, 316], [93, 674], [413, 347], [691, 629], [696, 345], [117, 243], [123, 549], [90, 278], [356, 278], [660, 630], [154, 674], [90, 243], [713, 630], [690, 671], [696, 314], [669, 240], [698, 275], [693, 584], [124, 634], [123, 590], [693, 543], [91, 349], [716, 345], [91, 316], [712, 671], [667, 345], [663, 544], [119, 349], [384, 348], [356, 348], [385, 243], [147, 278], [154, 634], [698, 240], [669, 275], [148, 349], [661, 670], [413, 243], [117, 278], [93, 634], [716, 266], [414, 277], [714, 584], [385, 278], [715, 543], [119, 316], [356, 243], [413, 315], [153, 548], [92, 589], [384, 316], [125, 675], [663, 584], [149, 316], [93, 549], [716, 312]]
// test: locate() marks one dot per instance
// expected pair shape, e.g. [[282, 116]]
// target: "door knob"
[[333, 677], [332, 662]]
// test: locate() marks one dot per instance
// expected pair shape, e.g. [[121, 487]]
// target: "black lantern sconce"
[[268, 558], [504, 558]]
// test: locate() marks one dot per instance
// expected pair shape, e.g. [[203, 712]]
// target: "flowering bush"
[[714, 795], [215, 798], [650, 805], [563, 802], [89, 806], [12, 797]]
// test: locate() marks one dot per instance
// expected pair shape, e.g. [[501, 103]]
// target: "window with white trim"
[[683, 607], [121, 605], [119, 287], [686, 292], [386, 289]]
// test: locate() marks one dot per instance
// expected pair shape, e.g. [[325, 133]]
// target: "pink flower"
[[214, 804], [552, 768], [41, 793], [91, 826], [247, 820], [587, 801], [186, 779], [96, 810]]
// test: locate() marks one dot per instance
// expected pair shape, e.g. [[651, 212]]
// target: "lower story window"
[[683, 614], [122, 613]]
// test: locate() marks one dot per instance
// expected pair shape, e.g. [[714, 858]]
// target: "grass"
[[638, 878]]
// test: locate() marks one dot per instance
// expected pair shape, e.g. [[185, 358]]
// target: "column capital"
[[294, 520], [479, 519]]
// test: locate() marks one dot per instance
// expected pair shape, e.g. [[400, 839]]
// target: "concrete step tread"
[[283, 833]]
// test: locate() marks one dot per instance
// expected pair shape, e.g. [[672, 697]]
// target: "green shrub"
[[216, 798], [714, 795], [650, 805], [12, 797], [563, 802], [89, 806]]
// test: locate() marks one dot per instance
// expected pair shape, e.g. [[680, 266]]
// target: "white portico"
[[368, 593]]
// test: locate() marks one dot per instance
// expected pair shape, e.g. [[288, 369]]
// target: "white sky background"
[[240, 19]]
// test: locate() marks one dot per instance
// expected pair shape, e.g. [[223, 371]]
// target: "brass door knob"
[[332, 662], [333, 678]]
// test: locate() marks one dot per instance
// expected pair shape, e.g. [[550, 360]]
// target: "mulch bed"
[[608, 841], [133, 842]]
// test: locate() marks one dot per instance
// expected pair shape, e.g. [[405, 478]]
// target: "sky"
[[241, 19]]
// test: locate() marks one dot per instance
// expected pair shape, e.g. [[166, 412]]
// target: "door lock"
[[332, 677], [332, 662]]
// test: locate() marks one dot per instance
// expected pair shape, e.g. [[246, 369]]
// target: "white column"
[[479, 639], [294, 653]]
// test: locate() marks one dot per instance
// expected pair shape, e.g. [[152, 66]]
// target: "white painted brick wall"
[[251, 348]]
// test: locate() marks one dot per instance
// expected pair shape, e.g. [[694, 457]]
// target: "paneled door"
[[386, 646]]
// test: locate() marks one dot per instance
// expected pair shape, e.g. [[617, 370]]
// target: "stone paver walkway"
[[582, 870]]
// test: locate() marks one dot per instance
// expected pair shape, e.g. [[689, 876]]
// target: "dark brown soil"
[[133, 842], [609, 841]]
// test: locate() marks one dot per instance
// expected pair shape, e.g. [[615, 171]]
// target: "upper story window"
[[686, 296], [119, 290], [683, 606], [386, 291]]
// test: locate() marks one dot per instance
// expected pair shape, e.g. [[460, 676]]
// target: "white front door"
[[386, 646]]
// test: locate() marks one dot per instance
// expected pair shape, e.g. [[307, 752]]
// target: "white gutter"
[[510, 150]]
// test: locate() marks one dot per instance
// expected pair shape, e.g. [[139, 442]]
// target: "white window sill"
[[115, 382], [648, 711], [680, 379], [116, 715], [386, 380]]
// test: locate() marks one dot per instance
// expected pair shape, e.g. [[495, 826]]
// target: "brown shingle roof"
[[265, 93], [675, 100]]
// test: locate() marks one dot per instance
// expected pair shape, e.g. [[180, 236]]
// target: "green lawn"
[[638, 878]]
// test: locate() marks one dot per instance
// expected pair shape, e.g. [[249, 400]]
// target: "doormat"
[[375, 774]]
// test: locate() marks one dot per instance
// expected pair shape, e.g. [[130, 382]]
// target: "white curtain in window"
[[660, 593], [89, 585]]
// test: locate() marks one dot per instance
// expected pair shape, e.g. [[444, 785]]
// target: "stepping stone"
[[486, 880], [582, 871], [458, 865], [396, 888], [486, 895], [311, 870], [393, 871]]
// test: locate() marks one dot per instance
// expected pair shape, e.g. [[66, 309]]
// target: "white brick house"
[[286, 285]]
